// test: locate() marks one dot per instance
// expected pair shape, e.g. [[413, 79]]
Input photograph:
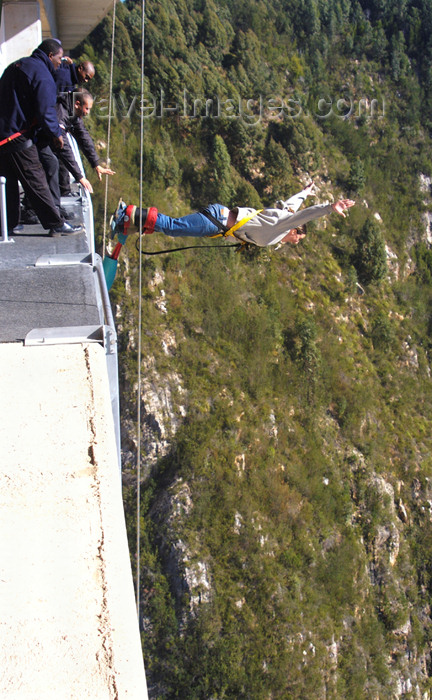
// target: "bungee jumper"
[[263, 227]]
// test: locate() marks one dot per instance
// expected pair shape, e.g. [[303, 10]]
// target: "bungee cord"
[[138, 464], [138, 246], [109, 127]]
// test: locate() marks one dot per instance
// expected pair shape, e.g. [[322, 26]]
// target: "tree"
[[399, 60], [278, 171], [308, 355], [370, 258], [224, 188], [356, 178]]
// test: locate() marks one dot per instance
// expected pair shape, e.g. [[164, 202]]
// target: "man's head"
[[53, 49], [83, 103], [302, 230], [85, 71], [295, 235]]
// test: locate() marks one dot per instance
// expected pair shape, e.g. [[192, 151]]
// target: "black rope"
[[219, 225], [188, 247]]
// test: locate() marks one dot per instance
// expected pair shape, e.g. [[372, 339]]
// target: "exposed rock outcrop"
[[189, 575], [162, 411]]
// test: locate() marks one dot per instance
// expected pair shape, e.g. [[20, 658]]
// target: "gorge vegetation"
[[286, 547]]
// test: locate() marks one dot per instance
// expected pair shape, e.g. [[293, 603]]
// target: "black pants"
[[26, 167], [50, 164], [64, 180]]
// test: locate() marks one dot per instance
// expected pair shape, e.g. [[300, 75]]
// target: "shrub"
[[370, 256]]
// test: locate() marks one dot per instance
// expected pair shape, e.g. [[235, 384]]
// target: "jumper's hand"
[[310, 190], [340, 206]]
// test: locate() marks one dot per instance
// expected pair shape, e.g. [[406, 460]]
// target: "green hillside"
[[286, 545]]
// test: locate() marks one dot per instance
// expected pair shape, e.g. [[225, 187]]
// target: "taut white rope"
[[138, 528], [109, 128]]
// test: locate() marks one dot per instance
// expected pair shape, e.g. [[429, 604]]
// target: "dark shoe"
[[28, 216], [65, 230]]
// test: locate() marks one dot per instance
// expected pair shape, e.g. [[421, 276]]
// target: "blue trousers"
[[196, 224]]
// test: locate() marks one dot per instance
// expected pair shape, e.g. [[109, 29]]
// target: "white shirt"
[[271, 225]]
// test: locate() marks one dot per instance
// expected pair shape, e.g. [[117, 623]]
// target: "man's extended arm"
[[67, 157], [85, 142]]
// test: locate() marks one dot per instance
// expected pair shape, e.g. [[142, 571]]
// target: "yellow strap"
[[236, 226]]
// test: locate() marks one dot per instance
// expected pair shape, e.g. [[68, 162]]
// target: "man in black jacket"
[[27, 105], [68, 77], [73, 124]]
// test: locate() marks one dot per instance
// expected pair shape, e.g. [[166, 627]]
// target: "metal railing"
[[3, 213], [86, 197]]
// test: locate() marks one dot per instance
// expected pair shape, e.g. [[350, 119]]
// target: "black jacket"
[[66, 77], [74, 125], [27, 99]]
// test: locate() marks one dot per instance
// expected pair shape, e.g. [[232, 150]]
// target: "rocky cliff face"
[[383, 542], [162, 412], [162, 396], [319, 538], [185, 567]]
